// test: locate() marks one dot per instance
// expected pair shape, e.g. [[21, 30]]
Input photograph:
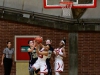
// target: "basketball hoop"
[[66, 8]]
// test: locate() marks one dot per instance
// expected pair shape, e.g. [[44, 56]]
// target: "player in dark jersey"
[[48, 42], [32, 54]]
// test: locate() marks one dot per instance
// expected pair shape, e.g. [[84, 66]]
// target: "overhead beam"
[[50, 21]]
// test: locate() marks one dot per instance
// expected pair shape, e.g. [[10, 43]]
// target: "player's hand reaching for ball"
[[35, 43]]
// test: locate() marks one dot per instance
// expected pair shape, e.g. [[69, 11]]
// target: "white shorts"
[[59, 66], [41, 65]]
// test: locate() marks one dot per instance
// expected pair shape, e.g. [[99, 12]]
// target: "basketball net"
[[66, 8]]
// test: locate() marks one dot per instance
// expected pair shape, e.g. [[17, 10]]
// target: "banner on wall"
[[21, 47]]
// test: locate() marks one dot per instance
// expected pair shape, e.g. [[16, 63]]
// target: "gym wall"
[[88, 46]]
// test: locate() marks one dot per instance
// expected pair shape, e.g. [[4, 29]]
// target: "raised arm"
[[41, 52], [41, 45], [32, 48]]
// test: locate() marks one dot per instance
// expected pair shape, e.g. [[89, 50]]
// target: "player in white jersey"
[[41, 62], [59, 54]]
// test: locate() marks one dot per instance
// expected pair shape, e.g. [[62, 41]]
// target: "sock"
[[31, 71]]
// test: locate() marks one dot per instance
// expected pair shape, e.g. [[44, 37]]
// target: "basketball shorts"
[[59, 66], [41, 65]]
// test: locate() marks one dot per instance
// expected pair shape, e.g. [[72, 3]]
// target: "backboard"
[[76, 3]]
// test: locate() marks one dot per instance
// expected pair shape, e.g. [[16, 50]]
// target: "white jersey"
[[42, 57], [41, 63], [60, 52]]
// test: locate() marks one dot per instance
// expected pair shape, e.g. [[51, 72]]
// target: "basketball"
[[39, 39]]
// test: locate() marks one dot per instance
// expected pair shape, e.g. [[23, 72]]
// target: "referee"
[[8, 58]]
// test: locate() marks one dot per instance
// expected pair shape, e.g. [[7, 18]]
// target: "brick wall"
[[89, 53], [9, 29], [88, 45]]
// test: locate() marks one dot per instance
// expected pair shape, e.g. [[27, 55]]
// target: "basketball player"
[[32, 54], [48, 42], [41, 62], [59, 54]]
